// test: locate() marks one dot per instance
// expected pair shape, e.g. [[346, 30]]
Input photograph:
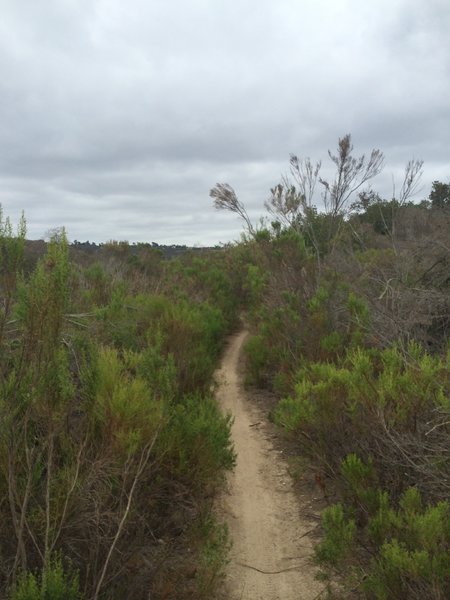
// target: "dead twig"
[[145, 457], [294, 568]]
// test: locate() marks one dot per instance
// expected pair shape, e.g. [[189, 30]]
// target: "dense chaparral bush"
[[110, 446], [381, 406]]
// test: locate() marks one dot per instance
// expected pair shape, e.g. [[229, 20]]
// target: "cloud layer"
[[117, 118]]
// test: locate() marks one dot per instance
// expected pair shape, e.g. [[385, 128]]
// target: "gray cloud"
[[117, 118]]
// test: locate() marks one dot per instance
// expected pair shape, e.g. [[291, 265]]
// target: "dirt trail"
[[270, 557]]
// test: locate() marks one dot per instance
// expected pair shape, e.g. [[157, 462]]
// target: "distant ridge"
[[36, 248]]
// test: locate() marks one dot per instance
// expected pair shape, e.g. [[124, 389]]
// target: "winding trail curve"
[[270, 557]]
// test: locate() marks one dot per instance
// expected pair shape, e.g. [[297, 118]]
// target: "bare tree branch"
[[351, 174], [225, 199], [411, 180], [143, 462]]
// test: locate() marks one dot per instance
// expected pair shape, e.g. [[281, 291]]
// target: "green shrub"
[[409, 546], [361, 404], [402, 573], [257, 353], [53, 583], [214, 280], [125, 412], [99, 285], [360, 482], [339, 533], [198, 440], [11, 263], [255, 283], [369, 419], [332, 343], [213, 557], [157, 368]]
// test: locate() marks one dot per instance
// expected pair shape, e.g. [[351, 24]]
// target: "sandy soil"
[[270, 557]]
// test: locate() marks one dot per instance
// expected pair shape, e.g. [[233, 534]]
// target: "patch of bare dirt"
[[271, 524]]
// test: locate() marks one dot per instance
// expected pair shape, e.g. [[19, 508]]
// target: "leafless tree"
[[411, 180], [351, 174], [292, 200]]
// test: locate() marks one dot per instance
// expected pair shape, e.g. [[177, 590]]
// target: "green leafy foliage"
[[214, 555], [53, 583], [413, 551], [349, 407], [198, 441], [258, 354], [125, 414], [11, 261], [368, 418], [339, 533]]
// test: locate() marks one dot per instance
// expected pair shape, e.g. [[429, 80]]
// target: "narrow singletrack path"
[[271, 553]]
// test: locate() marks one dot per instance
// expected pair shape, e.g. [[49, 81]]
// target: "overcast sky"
[[117, 117]]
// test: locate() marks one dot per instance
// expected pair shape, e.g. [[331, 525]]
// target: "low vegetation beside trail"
[[111, 445]]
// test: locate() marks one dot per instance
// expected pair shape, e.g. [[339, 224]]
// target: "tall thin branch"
[[143, 461], [225, 198]]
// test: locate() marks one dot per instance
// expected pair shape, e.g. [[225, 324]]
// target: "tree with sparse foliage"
[[293, 202], [225, 198]]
